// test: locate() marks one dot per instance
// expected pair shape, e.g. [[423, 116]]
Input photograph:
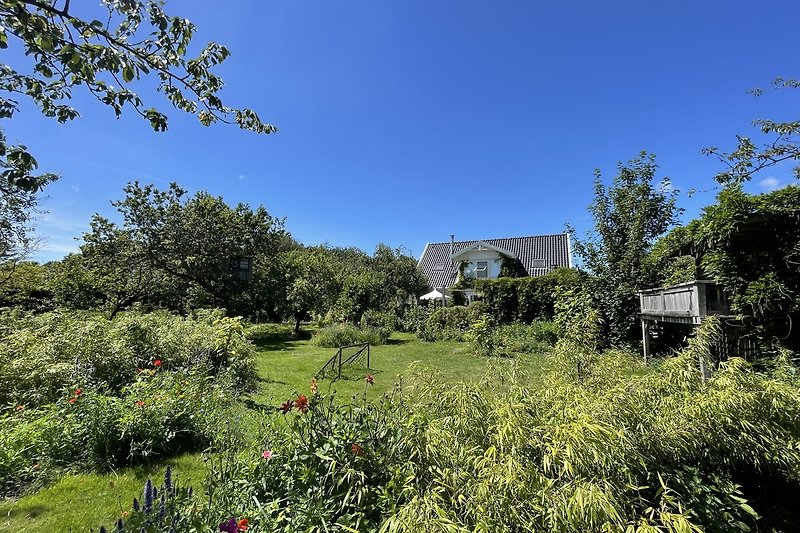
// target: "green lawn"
[[79, 503]]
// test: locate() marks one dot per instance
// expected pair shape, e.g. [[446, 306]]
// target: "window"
[[482, 269], [438, 267], [538, 263]]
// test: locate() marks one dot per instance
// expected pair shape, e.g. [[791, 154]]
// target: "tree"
[[748, 158], [106, 54], [312, 285], [17, 208], [118, 265], [193, 239], [629, 216], [402, 278]]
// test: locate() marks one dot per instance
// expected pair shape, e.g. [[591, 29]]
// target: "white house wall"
[[494, 263]]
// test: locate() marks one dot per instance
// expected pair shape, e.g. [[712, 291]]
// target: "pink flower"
[[266, 454]]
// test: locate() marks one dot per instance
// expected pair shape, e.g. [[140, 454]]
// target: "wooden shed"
[[679, 308]]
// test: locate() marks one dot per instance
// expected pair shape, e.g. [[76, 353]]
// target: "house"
[[444, 264]]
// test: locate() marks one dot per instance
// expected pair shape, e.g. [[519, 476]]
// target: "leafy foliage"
[[748, 158], [159, 414], [337, 335], [106, 55], [525, 299], [42, 355], [629, 216]]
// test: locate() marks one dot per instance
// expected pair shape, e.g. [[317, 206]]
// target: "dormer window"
[[482, 269]]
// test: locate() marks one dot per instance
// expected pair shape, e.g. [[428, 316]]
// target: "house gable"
[[536, 255]]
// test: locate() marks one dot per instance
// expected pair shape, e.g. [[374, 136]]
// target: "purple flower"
[[148, 497], [168, 481], [229, 526]]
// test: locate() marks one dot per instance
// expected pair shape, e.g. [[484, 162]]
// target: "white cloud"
[[242, 176], [75, 188], [770, 183]]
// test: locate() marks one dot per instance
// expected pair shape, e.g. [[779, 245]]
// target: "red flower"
[[301, 403], [287, 406], [242, 524], [157, 363], [72, 400], [78, 392], [139, 403], [370, 379], [356, 449]]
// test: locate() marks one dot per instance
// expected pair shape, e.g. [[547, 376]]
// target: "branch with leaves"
[[136, 39]]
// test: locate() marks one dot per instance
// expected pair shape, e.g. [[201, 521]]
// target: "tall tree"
[[629, 216], [312, 285]]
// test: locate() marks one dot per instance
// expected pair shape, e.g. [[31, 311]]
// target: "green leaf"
[[127, 73]]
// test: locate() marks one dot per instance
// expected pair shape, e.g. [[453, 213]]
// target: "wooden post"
[[340, 362], [645, 339]]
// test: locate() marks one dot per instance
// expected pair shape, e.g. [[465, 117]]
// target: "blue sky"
[[404, 122]]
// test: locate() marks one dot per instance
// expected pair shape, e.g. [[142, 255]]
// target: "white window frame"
[[484, 270]]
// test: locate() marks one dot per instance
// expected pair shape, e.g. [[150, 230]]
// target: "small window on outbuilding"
[[538, 263]]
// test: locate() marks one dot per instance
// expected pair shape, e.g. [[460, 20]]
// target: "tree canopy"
[[629, 216]]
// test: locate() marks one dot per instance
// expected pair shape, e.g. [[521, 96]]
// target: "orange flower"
[[243, 524], [314, 387], [356, 449], [370, 379], [20, 408], [37, 466], [72, 400], [301, 403], [124, 514], [157, 363], [78, 392], [140, 403]]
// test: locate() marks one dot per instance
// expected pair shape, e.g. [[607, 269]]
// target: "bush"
[[526, 299], [42, 355], [451, 323], [537, 336], [413, 319], [380, 319], [337, 335], [160, 414]]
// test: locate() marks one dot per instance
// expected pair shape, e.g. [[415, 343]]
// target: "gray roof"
[[552, 249]]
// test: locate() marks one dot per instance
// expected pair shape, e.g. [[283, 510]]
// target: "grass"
[[79, 503], [285, 366]]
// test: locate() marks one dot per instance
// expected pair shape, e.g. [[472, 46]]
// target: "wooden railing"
[[694, 299]]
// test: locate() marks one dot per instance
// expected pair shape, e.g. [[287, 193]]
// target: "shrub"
[[42, 355], [160, 414], [526, 299], [413, 319], [451, 323], [537, 336], [337, 335], [380, 319]]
